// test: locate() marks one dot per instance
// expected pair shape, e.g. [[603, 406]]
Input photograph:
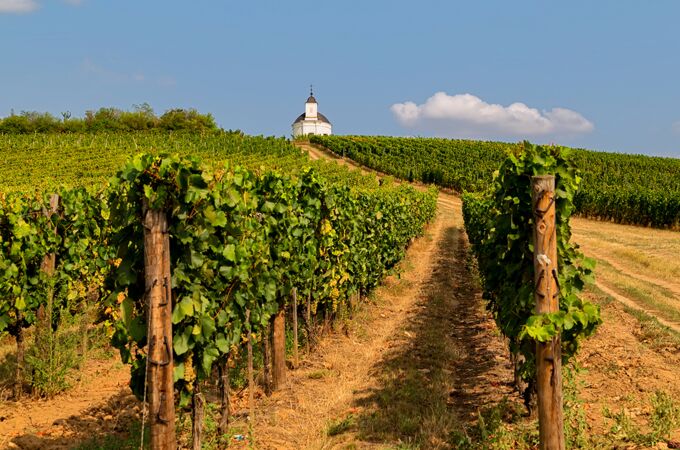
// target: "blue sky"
[[598, 74]]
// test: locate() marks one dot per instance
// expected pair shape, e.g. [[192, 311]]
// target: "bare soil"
[[100, 402], [622, 371]]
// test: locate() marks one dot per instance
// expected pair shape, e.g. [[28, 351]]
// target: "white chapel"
[[311, 121]]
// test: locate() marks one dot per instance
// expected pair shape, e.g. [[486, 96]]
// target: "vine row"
[[499, 225]]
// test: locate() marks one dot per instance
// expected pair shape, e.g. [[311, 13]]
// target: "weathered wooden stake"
[[197, 417], [308, 322], [251, 377], [266, 360], [92, 299], [225, 386], [279, 351], [160, 355], [548, 354], [48, 266], [353, 302], [21, 356], [326, 323], [296, 355]]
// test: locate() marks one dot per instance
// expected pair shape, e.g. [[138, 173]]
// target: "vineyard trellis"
[[532, 275], [240, 243]]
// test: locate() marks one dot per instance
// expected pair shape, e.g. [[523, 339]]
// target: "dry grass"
[[636, 265], [638, 249]]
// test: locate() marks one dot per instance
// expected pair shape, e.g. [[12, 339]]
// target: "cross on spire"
[[311, 90]]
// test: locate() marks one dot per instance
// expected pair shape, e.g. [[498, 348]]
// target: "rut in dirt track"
[[451, 368], [484, 372]]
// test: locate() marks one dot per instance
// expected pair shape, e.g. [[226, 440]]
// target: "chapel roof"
[[320, 118]]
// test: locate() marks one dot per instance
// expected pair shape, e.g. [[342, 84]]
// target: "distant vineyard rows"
[[633, 189], [50, 161]]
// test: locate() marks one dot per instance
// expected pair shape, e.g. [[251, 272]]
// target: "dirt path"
[[99, 402], [632, 304], [414, 367], [317, 153], [633, 273], [312, 151]]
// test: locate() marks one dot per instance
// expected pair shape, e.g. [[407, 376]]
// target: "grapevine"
[[499, 224]]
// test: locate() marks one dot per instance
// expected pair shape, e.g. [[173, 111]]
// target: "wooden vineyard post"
[[308, 323], [21, 356], [197, 416], [251, 377], [296, 355], [548, 354], [48, 265], [266, 360], [225, 386], [279, 351], [160, 355]]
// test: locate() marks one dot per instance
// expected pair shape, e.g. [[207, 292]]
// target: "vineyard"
[[244, 247], [212, 261], [632, 189]]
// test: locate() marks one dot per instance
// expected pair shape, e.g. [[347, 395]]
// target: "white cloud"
[[17, 6], [27, 6], [469, 115]]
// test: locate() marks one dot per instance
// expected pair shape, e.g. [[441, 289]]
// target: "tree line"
[[141, 117]]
